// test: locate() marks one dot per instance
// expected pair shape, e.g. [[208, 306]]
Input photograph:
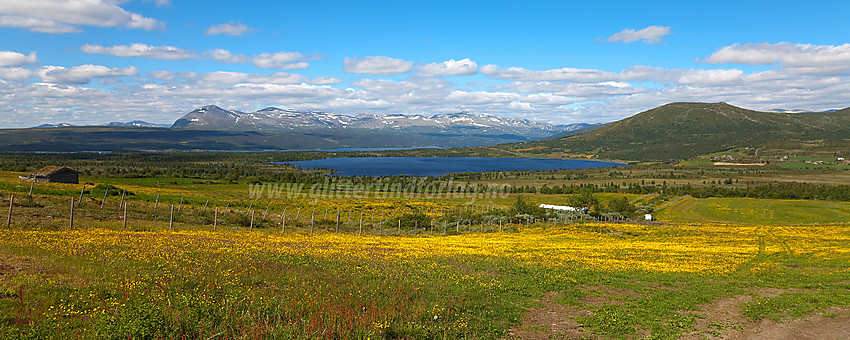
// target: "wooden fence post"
[[31, 186], [297, 213], [282, 222], [156, 203], [227, 206], [72, 214], [122, 199], [399, 227], [205, 205], [312, 221], [251, 228], [125, 214], [337, 221], [171, 218], [9, 220], [215, 218], [81, 194], [104, 197], [267, 211], [179, 206], [249, 207]]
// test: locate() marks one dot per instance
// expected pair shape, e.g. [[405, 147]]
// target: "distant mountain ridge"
[[212, 117], [682, 130]]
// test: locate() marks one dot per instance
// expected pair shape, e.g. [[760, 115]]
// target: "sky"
[[88, 62]]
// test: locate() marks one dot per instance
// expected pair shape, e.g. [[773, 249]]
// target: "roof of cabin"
[[48, 170]]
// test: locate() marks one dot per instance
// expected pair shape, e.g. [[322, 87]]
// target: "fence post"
[[312, 221], [227, 206], [298, 213], [156, 203], [125, 214], [381, 223], [251, 228], [215, 218], [122, 199], [249, 207], [72, 214], [399, 227], [104, 197], [81, 194], [9, 220], [337, 221], [267, 211], [32, 184], [360, 231], [171, 218], [205, 205], [179, 205], [282, 222]]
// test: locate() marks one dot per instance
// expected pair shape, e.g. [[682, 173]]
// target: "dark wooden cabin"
[[56, 174]]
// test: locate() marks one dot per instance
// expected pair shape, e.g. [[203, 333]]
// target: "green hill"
[[682, 130]]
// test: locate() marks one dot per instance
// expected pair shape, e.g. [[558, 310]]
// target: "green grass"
[[756, 211]]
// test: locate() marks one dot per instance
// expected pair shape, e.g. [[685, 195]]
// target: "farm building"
[[56, 174]]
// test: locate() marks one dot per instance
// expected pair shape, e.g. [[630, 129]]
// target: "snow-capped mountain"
[[216, 118]]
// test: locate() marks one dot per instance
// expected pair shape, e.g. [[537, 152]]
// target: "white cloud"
[[797, 58], [651, 35], [36, 24], [141, 50], [60, 16], [280, 60], [451, 67], [82, 74], [566, 74], [225, 56], [10, 58], [376, 65], [326, 80], [230, 28], [15, 73]]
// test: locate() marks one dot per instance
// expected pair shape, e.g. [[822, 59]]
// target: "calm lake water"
[[439, 166]]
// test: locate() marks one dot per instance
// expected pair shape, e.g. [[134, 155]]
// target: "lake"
[[439, 166]]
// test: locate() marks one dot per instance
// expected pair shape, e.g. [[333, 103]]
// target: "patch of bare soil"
[[551, 320], [601, 295], [723, 319], [11, 264]]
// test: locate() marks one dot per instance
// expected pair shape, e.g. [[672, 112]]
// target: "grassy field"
[[621, 280], [756, 211]]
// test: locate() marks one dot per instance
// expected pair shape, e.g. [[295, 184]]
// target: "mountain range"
[[212, 117], [672, 131]]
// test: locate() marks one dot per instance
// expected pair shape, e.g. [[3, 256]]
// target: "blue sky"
[[96, 61]]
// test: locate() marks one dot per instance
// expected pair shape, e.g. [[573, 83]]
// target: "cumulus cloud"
[[376, 65], [36, 24], [62, 16], [651, 35], [463, 67], [230, 28], [11, 58], [82, 74], [141, 50], [225, 56], [280, 60], [797, 58], [15, 73]]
